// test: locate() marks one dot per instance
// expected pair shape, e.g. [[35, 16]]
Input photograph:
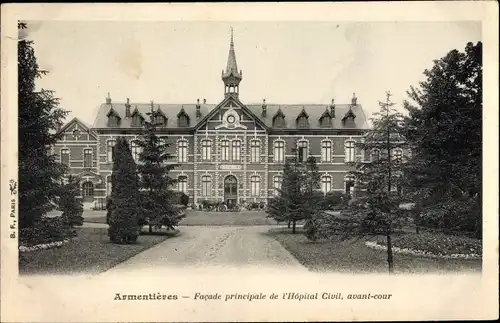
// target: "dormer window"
[[279, 120], [325, 121], [302, 120], [137, 120], [183, 118], [161, 121], [113, 118]]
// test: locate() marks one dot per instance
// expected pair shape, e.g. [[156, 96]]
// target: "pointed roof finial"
[[232, 40]]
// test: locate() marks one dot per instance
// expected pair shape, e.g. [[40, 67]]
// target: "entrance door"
[[231, 190]]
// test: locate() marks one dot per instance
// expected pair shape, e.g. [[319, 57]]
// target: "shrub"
[[68, 203], [184, 199], [46, 230]]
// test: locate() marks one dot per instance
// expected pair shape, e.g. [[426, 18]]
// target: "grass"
[[89, 253], [352, 256], [201, 218]]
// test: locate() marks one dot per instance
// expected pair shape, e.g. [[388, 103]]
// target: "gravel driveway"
[[205, 246]]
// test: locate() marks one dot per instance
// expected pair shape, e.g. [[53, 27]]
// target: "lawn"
[[353, 256], [201, 218], [89, 253]]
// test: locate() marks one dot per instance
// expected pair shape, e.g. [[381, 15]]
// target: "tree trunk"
[[390, 261], [150, 228], [294, 225], [289, 224]]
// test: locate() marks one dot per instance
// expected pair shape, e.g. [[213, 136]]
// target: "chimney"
[[198, 111], [332, 109], [354, 99], [108, 99], [127, 108], [264, 108]]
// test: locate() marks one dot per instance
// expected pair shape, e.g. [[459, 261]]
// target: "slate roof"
[[291, 112]]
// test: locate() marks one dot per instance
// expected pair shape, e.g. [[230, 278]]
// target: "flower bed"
[[43, 246], [434, 245]]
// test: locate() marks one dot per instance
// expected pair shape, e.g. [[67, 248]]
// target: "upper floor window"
[[206, 149], [326, 151], [302, 122], [325, 122], [206, 185], [279, 120], [111, 150], [113, 120], [161, 121], [224, 150], [350, 151], [236, 145], [326, 184], [65, 156], [255, 185], [182, 147], [137, 120], [183, 120], [375, 155], [302, 150], [136, 150], [182, 184], [255, 151], [279, 151], [398, 155], [277, 180], [87, 158]]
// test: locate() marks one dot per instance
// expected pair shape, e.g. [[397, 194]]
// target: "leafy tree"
[[158, 199], [123, 220], [39, 117], [444, 133], [311, 197], [71, 206], [334, 200], [378, 178]]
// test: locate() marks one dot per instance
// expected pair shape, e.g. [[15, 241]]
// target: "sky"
[[283, 62]]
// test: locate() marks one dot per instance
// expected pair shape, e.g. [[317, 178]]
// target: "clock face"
[[231, 119]]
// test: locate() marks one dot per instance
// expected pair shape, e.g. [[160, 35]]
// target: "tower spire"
[[231, 76]]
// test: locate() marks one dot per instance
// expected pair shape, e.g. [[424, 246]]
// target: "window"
[[111, 150], [136, 150], [279, 121], [302, 150], [87, 158], [206, 184], [349, 151], [183, 121], [224, 150], [302, 123], [349, 184], [326, 184], [255, 185], [326, 151], [88, 189], [161, 121], [182, 184], [279, 151], [206, 149], [182, 151], [277, 180], [65, 156], [398, 155], [236, 145], [326, 122], [375, 155], [113, 121], [109, 185], [255, 151], [137, 120]]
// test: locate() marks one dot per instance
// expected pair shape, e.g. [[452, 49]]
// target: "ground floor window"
[[182, 184], [206, 185], [326, 184], [88, 189], [255, 185]]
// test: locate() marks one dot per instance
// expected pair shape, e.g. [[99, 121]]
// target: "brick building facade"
[[226, 151]]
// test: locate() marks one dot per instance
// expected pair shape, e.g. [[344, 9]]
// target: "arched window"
[[88, 189], [279, 151], [350, 151], [87, 158], [136, 150], [111, 150], [375, 155], [236, 145], [206, 185], [224, 150], [182, 146], [109, 185], [302, 150], [182, 184], [255, 185], [65, 156], [326, 184], [277, 180], [255, 151], [206, 149], [326, 151]]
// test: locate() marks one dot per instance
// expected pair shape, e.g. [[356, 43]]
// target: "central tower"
[[231, 76]]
